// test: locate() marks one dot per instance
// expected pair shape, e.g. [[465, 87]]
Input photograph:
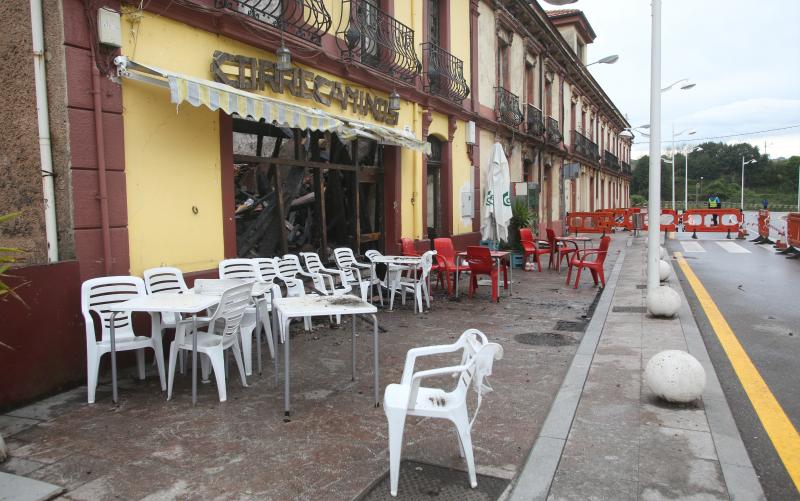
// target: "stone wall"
[[20, 164]]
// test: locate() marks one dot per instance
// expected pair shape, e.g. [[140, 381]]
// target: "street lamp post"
[[751, 161], [686, 176], [654, 182], [696, 199], [685, 131]]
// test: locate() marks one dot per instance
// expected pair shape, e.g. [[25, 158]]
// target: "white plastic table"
[[170, 302], [313, 306], [405, 262]]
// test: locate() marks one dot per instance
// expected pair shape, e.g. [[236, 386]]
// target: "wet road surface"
[[758, 293]]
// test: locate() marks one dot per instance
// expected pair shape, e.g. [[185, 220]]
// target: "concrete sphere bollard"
[[664, 270], [663, 302], [675, 376], [3, 450]]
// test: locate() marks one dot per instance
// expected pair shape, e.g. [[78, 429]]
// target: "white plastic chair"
[[244, 269], [267, 270], [288, 267], [97, 294], [325, 279], [346, 262], [393, 273], [409, 398], [165, 280], [222, 332], [419, 289]]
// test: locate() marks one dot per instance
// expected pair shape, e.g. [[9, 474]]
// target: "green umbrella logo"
[[506, 199], [489, 198]]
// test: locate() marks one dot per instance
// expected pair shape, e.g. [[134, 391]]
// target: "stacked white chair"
[[409, 398], [221, 332], [97, 294]]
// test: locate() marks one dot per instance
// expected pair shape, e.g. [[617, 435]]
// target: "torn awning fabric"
[[218, 96]]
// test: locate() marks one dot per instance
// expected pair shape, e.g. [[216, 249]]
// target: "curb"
[[533, 482]]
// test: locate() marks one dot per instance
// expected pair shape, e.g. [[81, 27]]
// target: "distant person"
[[714, 203], [765, 203]]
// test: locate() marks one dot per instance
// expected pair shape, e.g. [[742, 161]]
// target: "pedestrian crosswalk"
[[733, 247], [730, 247]]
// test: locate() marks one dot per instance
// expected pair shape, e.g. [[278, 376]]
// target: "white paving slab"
[[16, 488]]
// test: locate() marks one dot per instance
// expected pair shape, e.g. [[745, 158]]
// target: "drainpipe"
[[100, 147], [43, 117]]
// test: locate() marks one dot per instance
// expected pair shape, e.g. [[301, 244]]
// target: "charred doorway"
[[299, 190]]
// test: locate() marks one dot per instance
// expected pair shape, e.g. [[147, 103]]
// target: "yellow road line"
[[781, 432]]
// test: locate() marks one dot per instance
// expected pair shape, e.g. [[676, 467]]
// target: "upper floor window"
[[434, 22], [502, 65], [530, 83]]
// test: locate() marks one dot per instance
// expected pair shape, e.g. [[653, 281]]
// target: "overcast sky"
[[744, 56]]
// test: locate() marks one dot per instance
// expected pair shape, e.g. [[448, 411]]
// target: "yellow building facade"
[[178, 160]]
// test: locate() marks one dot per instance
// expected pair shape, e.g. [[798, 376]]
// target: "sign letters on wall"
[[254, 74]]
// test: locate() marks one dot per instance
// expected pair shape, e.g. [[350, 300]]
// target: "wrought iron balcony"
[[552, 134], [534, 122], [584, 147], [372, 37], [625, 168], [445, 73], [611, 161], [307, 19], [507, 107]]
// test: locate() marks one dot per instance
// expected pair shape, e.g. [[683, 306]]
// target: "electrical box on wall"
[[109, 27], [470, 132], [467, 207]]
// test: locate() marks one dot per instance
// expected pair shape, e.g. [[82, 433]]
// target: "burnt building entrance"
[[297, 190]]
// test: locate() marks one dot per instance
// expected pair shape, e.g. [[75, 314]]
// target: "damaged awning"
[[218, 96]]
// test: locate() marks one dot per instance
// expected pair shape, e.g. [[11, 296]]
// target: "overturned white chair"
[[410, 399]]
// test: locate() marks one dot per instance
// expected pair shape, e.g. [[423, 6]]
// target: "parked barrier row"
[[590, 222], [712, 220], [668, 222], [763, 228], [793, 231]]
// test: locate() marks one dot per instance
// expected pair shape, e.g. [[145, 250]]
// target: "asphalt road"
[[758, 293]]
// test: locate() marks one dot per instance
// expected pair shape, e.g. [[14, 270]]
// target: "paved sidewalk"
[[608, 437]]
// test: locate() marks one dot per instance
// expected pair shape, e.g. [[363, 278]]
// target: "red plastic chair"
[[407, 247], [481, 263], [595, 265], [446, 257], [559, 250], [530, 247]]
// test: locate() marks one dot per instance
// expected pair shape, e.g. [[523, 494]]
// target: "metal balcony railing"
[[584, 147], [625, 168], [552, 134], [307, 19], [534, 122], [507, 107], [445, 73], [611, 161], [368, 35]]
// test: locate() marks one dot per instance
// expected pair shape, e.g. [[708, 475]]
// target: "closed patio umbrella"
[[496, 205]]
